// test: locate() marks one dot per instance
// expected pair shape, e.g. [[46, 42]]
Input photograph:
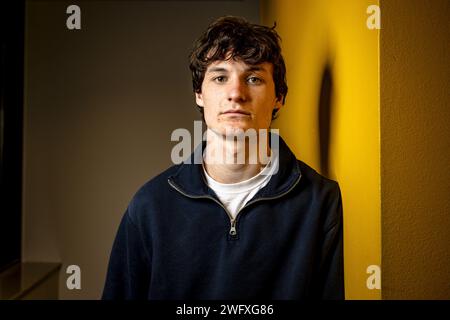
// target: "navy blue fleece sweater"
[[174, 239]]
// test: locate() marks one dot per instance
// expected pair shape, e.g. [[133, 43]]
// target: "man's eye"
[[254, 80], [219, 79]]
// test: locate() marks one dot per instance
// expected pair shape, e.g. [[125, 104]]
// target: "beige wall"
[[100, 105], [415, 149]]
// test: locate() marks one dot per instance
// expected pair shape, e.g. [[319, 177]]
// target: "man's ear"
[[278, 105], [199, 99]]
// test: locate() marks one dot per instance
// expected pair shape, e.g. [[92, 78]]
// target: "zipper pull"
[[233, 231]]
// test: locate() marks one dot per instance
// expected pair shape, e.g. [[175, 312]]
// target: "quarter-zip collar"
[[186, 178]]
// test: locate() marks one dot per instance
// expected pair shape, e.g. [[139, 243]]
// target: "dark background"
[[11, 124]]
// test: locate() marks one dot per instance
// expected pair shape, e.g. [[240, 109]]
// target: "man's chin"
[[235, 129]]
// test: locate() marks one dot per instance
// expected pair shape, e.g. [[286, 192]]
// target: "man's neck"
[[228, 161]]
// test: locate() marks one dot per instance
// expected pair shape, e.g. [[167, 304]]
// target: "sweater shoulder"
[[326, 192], [317, 181], [148, 194], [156, 183]]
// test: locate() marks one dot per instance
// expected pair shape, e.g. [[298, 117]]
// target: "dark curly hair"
[[232, 37]]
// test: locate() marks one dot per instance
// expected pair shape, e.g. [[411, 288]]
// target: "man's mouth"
[[236, 112]]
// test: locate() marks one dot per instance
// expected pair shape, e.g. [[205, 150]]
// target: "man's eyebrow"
[[255, 68], [216, 69], [221, 69]]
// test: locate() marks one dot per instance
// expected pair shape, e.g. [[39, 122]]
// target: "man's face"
[[236, 96]]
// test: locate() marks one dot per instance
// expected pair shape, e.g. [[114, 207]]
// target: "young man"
[[233, 229]]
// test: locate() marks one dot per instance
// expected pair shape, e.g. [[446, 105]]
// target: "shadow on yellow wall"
[[324, 116]]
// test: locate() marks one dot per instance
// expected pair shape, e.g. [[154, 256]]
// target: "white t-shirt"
[[234, 196]]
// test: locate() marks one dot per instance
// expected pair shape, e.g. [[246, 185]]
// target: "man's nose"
[[237, 91]]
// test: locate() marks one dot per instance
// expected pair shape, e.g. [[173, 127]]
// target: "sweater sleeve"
[[331, 272], [129, 269]]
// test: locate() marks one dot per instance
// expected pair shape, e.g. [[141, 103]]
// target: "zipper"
[[233, 231]]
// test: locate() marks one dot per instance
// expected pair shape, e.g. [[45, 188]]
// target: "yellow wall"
[[316, 33], [415, 149]]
